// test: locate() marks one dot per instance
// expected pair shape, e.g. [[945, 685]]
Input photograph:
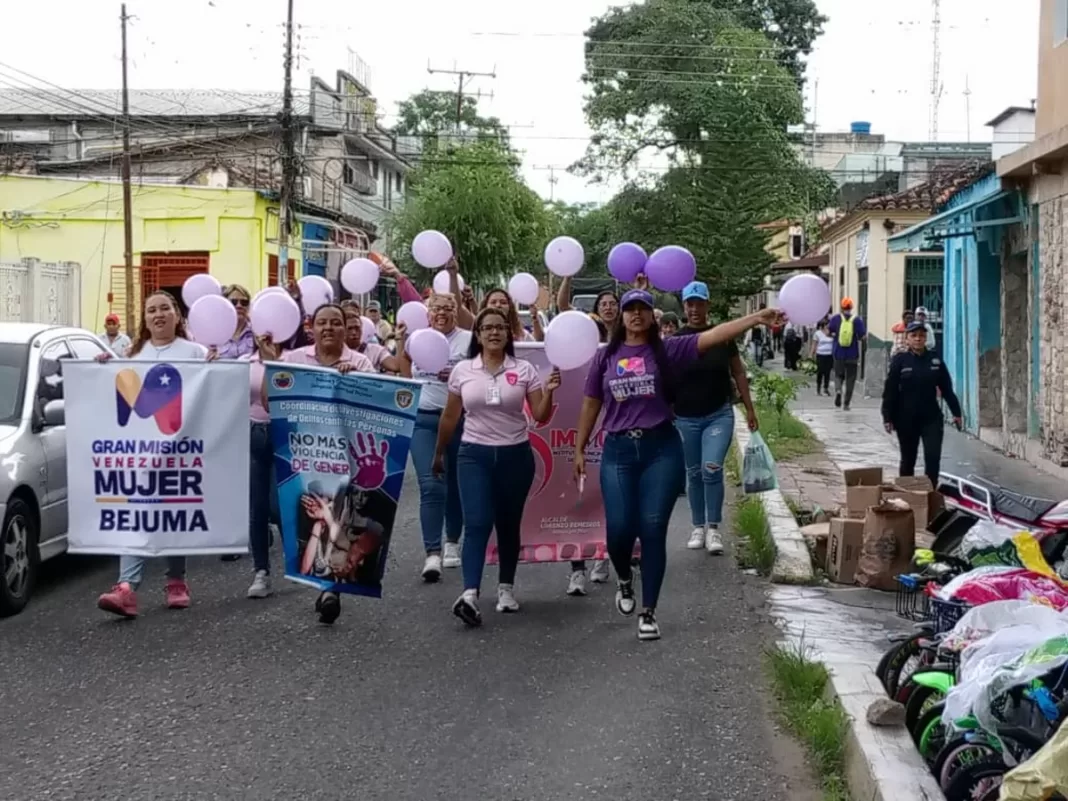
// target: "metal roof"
[[73, 103]]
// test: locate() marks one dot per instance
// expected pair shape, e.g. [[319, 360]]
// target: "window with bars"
[[862, 292]]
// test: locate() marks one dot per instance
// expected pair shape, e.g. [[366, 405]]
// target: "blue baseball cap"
[[636, 296], [695, 290], [915, 325]]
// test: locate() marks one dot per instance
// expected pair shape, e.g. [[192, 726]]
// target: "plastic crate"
[[945, 614], [911, 602]]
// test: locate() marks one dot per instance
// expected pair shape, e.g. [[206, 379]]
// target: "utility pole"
[[127, 200], [968, 107], [936, 67], [552, 182], [289, 171], [462, 78]]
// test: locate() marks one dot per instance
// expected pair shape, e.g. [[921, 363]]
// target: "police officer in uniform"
[[910, 402]]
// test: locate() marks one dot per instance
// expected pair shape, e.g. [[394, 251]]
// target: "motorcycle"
[[969, 500]]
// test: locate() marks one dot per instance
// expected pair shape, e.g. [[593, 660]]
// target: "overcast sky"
[[873, 63]]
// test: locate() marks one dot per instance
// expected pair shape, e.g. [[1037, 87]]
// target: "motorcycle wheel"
[[902, 665], [949, 539], [978, 779], [930, 733], [884, 661], [921, 700], [960, 753]]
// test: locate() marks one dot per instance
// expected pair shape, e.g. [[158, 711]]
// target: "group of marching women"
[[470, 446]]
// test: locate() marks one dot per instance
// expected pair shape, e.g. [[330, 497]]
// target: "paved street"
[[253, 699]]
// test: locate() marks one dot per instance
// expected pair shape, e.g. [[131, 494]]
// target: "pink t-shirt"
[[256, 412], [376, 353], [503, 423], [359, 362]]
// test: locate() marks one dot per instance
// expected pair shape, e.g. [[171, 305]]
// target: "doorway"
[[170, 271]]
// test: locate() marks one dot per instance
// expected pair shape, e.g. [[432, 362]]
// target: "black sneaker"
[[625, 597], [648, 628], [838, 399], [328, 605], [467, 610]]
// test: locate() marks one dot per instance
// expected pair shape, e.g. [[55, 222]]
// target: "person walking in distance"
[[910, 403], [642, 473], [823, 348], [704, 416], [900, 332], [848, 331], [757, 339], [117, 342], [921, 317], [495, 465]]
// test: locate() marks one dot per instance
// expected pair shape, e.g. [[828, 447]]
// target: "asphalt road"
[[235, 699]]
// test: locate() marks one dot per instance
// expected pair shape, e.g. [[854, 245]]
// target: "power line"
[[462, 76]]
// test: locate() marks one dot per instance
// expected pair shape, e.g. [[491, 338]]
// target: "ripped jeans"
[[705, 442]]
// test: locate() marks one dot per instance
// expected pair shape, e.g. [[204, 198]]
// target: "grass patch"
[[787, 437], [820, 725], [756, 547], [733, 465]]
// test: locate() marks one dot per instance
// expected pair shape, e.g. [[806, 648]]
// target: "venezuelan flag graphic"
[[159, 397]]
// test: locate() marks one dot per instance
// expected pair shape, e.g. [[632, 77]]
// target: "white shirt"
[[179, 350], [824, 344], [119, 346], [436, 393]]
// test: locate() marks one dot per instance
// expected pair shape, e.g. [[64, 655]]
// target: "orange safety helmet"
[[847, 303]]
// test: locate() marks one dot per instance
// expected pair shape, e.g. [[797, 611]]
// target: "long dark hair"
[[608, 293], [664, 370], [144, 335], [513, 313], [475, 348]]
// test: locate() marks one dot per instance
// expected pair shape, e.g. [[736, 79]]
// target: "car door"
[[53, 441]]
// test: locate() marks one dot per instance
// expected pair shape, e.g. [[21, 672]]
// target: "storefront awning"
[[928, 235]]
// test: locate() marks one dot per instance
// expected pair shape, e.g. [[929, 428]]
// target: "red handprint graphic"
[[369, 461]]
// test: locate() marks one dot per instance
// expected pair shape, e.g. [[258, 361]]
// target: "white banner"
[[157, 457]]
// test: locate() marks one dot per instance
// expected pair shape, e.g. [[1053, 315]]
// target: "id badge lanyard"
[[493, 389]]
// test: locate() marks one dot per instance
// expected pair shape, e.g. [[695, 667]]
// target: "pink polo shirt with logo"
[[503, 424], [359, 362]]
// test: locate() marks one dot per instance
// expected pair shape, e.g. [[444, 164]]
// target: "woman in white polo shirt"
[[495, 465], [439, 496]]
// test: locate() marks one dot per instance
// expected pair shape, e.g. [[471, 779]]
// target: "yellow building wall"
[[57, 219]]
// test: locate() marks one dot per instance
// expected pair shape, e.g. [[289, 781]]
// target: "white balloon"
[[369, 329], [414, 315], [442, 282], [431, 249], [314, 292], [571, 340], [564, 256], [524, 288], [429, 350], [359, 276]]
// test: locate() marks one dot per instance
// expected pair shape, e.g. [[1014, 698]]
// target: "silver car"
[[33, 451]]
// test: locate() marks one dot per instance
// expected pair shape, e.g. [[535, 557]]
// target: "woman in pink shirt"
[[329, 350], [380, 357], [495, 466]]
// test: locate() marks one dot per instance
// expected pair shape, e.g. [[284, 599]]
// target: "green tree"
[[432, 113], [475, 195]]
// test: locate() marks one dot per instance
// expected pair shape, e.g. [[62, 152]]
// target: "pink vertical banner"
[[559, 523]]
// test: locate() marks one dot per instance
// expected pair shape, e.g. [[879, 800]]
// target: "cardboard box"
[[844, 542], [918, 493], [889, 542], [864, 488]]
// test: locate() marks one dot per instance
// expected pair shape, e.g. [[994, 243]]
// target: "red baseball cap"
[[111, 318]]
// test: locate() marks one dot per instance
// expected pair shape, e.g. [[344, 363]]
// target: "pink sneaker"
[[121, 600], [177, 594]]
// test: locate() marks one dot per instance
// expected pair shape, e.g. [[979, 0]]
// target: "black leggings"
[[824, 365], [909, 438]]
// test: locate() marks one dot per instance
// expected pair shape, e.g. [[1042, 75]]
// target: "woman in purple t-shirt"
[[642, 471]]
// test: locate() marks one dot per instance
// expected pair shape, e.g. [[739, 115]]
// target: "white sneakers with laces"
[[432, 568], [576, 585], [713, 542], [697, 539], [506, 601], [599, 573], [450, 557], [261, 585]]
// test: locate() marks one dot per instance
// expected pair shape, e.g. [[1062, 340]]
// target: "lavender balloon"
[[625, 261], [670, 268], [369, 329], [429, 350], [359, 276], [199, 286], [805, 299], [276, 315], [212, 320], [414, 315], [315, 291], [571, 340]]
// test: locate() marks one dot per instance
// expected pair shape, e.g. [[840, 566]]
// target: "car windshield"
[[13, 361], [584, 303]]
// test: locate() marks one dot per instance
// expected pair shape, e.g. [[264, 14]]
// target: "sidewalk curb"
[[793, 563]]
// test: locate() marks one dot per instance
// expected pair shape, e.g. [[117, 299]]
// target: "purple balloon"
[[198, 286], [670, 268], [429, 350], [212, 320], [626, 261], [805, 299], [275, 314]]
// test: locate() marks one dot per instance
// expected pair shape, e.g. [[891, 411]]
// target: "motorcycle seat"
[[1025, 508]]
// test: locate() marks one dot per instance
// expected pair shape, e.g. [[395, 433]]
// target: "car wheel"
[[19, 557]]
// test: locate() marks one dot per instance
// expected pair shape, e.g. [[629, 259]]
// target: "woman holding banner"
[[329, 350], [642, 469], [162, 337], [439, 495], [495, 465]]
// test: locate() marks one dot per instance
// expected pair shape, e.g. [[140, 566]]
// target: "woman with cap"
[[632, 380], [848, 331], [910, 403], [704, 416]]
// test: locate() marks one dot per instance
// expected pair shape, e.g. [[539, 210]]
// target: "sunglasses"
[[243, 302]]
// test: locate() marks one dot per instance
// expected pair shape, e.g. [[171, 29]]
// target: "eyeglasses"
[[243, 302], [443, 309], [493, 328]]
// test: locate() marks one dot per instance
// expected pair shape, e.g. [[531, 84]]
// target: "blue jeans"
[[641, 478], [132, 569], [494, 483], [705, 442], [439, 499], [263, 493]]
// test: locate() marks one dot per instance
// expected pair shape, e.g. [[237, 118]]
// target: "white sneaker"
[[599, 574], [451, 555], [576, 585], [261, 585], [506, 601], [713, 543], [648, 628], [697, 539], [625, 602], [432, 568]]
